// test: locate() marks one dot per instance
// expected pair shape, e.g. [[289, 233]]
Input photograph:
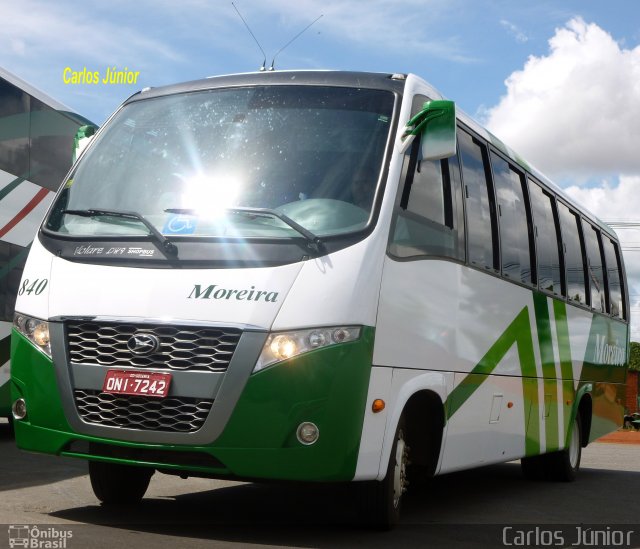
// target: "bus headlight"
[[35, 330], [284, 345]]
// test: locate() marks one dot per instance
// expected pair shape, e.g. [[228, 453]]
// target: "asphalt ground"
[[467, 509]]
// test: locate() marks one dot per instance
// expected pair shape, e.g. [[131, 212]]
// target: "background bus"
[[36, 148]]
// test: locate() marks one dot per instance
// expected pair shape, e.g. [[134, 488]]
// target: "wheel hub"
[[400, 482]]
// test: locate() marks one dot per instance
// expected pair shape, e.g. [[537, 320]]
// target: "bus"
[[36, 143], [314, 276]]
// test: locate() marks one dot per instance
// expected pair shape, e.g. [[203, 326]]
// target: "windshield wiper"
[[314, 242], [168, 248]]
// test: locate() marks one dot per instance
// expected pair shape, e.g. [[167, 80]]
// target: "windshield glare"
[[182, 161]]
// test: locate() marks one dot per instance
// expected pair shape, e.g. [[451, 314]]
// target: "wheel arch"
[[585, 410], [422, 396], [424, 423]]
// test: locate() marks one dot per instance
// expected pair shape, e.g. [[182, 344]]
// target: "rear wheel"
[[114, 483], [564, 465], [381, 501], [533, 467], [561, 466]]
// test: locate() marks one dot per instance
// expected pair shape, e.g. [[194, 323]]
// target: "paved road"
[[452, 511]]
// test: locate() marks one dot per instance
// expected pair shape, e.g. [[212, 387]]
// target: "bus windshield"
[[186, 162]]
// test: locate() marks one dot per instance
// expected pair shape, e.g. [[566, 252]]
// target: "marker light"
[[378, 405], [35, 330], [285, 345]]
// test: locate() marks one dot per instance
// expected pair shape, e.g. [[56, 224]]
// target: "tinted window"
[[481, 230], [616, 299], [546, 231], [313, 152], [14, 129], [51, 145], [573, 253], [12, 260], [426, 222], [594, 268], [515, 245]]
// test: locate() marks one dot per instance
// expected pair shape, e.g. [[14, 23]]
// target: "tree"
[[634, 356]]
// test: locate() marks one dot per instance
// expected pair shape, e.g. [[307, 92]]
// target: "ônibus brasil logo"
[[39, 537]]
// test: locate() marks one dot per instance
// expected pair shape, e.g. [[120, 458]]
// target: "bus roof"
[[42, 96]]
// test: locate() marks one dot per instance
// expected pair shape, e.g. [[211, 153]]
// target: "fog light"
[[307, 433], [19, 409]]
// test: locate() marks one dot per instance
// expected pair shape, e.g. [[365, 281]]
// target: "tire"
[[533, 467], [381, 501], [564, 465], [113, 483]]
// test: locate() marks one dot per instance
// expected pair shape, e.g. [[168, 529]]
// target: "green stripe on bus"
[[518, 332], [544, 335], [562, 335], [488, 363], [566, 364], [6, 190], [547, 359], [551, 414]]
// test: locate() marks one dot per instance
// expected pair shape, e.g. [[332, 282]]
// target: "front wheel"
[[113, 483], [381, 501]]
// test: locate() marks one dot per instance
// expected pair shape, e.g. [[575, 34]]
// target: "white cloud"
[[37, 29], [575, 114], [515, 31], [619, 203], [575, 111]]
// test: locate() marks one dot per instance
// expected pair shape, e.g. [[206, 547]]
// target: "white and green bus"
[[314, 276]]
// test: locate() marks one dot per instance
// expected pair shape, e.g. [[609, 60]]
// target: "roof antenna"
[[271, 68], [264, 55]]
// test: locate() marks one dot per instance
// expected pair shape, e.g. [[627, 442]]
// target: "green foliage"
[[634, 356]]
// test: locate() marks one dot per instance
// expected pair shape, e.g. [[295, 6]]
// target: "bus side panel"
[[447, 317], [605, 360], [5, 374], [444, 316]]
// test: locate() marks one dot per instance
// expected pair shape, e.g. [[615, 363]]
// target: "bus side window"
[[616, 295], [427, 221], [547, 240], [15, 114], [594, 267], [516, 247], [575, 260], [482, 232]]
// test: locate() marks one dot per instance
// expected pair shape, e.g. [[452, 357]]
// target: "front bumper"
[[255, 423]]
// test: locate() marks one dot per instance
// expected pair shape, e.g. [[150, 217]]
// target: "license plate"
[[134, 382]]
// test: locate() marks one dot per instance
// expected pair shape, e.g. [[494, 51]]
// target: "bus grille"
[[181, 348], [172, 414]]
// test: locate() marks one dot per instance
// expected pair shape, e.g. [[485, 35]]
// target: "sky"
[[559, 81]]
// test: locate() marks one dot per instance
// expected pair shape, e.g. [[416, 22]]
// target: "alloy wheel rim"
[[400, 470], [574, 446]]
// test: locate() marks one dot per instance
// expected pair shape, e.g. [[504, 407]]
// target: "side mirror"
[[83, 137], [436, 125]]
